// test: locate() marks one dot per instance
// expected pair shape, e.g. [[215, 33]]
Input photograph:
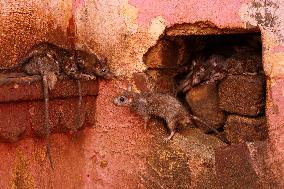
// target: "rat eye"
[[122, 99], [103, 70]]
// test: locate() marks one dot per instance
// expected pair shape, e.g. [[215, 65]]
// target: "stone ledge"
[[22, 107], [29, 88]]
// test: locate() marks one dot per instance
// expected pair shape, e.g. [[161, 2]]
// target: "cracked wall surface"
[[114, 152]]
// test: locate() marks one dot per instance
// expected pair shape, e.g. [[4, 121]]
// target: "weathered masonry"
[[237, 88]]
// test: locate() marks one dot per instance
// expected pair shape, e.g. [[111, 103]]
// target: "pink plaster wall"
[[114, 151], [223, 13]]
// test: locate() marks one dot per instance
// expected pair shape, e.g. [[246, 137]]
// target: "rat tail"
[[79, 107], [46, 117], [219, 135]]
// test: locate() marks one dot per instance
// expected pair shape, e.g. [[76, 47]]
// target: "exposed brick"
[[21, 107], [167, 168], [234, 168], [158, 80], [241, 129], [33, 91], [163, 55], [163, 80], [26, 119], [199, 149], [142, 82], [243, 62], [186, 162], [242, 166], [242, 94], [203, 101]]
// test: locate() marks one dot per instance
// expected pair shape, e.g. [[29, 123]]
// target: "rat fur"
[[161, 105], [48, 69], [77, 64], [52, 62]]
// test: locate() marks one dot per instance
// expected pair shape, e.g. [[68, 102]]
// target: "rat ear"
[[129, 88]]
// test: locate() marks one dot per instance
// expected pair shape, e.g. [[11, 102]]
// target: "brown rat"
[[77, 64], [84, 66], [161, 105], [51, 61], [203, 70], [48, 69]]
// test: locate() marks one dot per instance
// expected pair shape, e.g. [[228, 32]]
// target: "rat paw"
[[88, 77], [166, 140]]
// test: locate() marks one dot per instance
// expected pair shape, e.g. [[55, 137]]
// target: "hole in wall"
[[219, 77]]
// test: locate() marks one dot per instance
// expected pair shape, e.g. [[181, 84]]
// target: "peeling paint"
[[25, 23], [268, 15], [121, 40], [123, 31], [274, 65], [157, 27], [130, 13]]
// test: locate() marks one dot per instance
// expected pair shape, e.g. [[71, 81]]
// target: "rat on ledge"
[[48, 69], [52, 62], [77, 64], [161, 105]]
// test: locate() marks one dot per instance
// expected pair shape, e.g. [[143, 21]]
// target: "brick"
[[243, 166], [240, 63], [163, 79], [203, 101], [142, 82], [163, 55], [234, 168], [199, 148], [21, 106], [158, 80], [66, 88], [167, 168], [240, 129], [242, 94], [26, 119], [186, 162]]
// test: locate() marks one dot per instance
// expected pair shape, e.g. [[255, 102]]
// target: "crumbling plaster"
[[123, 31]]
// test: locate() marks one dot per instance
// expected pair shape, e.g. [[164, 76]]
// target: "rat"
[[204, 70], [77, 64], [52, 62], [85, 66], [48, 69], [162, 105]]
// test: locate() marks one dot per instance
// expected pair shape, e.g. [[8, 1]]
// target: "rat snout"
[[108, 76], [116, 101], [195, 81]]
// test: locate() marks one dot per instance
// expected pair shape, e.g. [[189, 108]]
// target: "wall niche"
[[218, 77]]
